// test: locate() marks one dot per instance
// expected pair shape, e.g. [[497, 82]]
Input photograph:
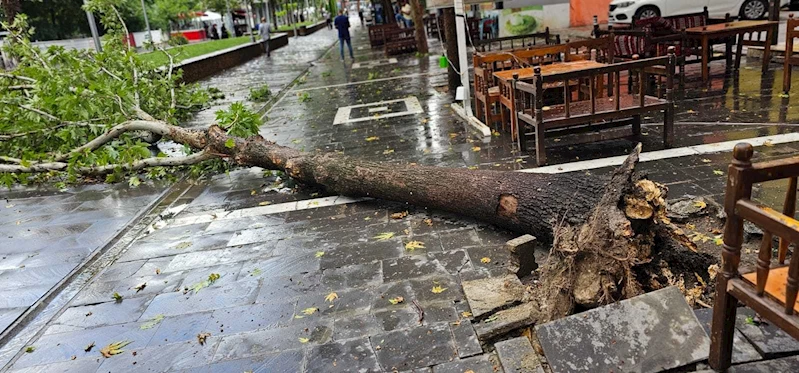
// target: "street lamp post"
[[147, 22], [93, 27]]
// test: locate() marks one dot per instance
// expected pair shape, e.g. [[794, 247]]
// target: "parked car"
[[627, 11]]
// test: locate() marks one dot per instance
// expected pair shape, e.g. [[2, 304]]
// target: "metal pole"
[[460, 29], [147, 22], [229, 19], [249, 19], [95, 35]]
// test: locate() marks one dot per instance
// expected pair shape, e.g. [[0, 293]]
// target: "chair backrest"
[[516, 42], [600, 49], [791, 33], [543, 55], [742, 175]]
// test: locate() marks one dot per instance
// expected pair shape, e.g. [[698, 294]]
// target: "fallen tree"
[[610, 236]]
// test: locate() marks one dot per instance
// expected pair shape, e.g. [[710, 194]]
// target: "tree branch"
[[17, 77], [20, 87], [105, 169]]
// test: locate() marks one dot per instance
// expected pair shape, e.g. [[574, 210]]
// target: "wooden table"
[[738, 29], [505, 82]]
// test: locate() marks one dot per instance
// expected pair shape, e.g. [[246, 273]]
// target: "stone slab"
[[517, 355], [342, 356], [493, 293], [475, 364], [523, 250], [769, 340], [786, 364], [505, 321], [649, 333], [466, 339], [742, 350], [414, 348]]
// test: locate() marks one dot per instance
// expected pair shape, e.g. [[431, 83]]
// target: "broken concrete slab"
[[494, 293], [684, 208], [742, 350], [505, 321], [477, 364], [769, 340], [786, 364], [465, 339], [523, 250], [648, 333], [517, 355]]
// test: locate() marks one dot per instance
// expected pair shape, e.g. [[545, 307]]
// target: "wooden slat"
[[788, 209], [769, 219]]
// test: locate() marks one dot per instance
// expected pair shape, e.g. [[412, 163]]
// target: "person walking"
[[342, 23], [360, 15], [263, 31], [327, 20]]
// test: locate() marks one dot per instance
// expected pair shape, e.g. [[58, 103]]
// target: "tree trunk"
[[418, 21], [11, 8], [451, 37], [388, 11]]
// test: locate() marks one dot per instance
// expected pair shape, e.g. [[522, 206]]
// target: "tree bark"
[[11, 8], [451, 40], [418, 21], [388, 11]]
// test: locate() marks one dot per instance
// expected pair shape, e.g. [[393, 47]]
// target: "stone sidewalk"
[[253, 274]]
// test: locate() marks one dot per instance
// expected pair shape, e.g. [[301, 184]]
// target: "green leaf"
[[230, 143], [134, 181], [152, 322]]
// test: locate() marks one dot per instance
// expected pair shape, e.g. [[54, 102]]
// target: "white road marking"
[[412, 106], [433, 73]]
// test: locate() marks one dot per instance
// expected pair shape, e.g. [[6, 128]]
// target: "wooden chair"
[[398, 41], [376, 36], [790, 59], [510, 43], [771, 292], [594, 114], [486, 93]]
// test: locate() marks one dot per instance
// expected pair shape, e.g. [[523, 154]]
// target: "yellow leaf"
[[718, 172], [429, 222], [331, 297], [388, 151], [264, 203], [372, 138], [413, 245], [466, 314], [700, 204], [495, 133], [114, 348], [253, 192], [399, 215], [706, 160], [768, 143], [485, 260], [472, 167], [475, 148], [319, 254], [310, 311], [152, 323], [303, 340], [718, 240], [396, 300], [690, 226], [437, 289], [453, 135], [384, 236], [182, 245]]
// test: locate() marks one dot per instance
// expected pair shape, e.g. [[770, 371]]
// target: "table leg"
[[739, 49], [767, 49], [705, 59]]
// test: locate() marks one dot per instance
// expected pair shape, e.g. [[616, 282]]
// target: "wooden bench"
[[771, 292], [516, 42], [790, 59], [376, 37], [398, 41], [594, 114]]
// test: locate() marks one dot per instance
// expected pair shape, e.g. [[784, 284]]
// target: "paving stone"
[[284, 265], [165, 358], [648, 333], [285, 361], [258, 235], [411, 266], [459, 239], [358, 275], [390, 291], [105, 314], [423, 290], [23, 296], [786, 364], [440, 313], [100, 291], [211, 298], [498, 260], [517, 355], [769, 340], [119, 270], [289, 287], [153, 249], [362, 253], [216, 257], [466, 341], [402, 318], [453, 261], [228, 273], [9, 315], [742, 350], [251, 317], [180, 328], [61, 347], [414, 348], [76, 366], [495, 293], [505, 321], [522, 251], [349, 302], [343, 356], [476, 364], [22, 277], [261, 342]]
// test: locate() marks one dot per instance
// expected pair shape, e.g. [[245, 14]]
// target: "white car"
[[626, 11]]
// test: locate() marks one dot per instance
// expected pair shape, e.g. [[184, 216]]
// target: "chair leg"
[[722, 329], [636, 125], [540, 149], [668, 125]]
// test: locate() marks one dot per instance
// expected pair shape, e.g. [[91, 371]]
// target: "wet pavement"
[[252, 274]]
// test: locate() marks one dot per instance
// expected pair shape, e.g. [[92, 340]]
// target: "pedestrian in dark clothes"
[[342, 23]]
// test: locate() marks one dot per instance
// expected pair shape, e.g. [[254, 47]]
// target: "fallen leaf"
[[372, 138], [303, 339], [768, 143], [264, 203], [384, 236], [399, 215], [310, 311], [485, 260], [117, 297], [213, 277], [718, 172], [490, 319], [256, 272], [438, 289], [718, 240], [413, 245], [331, 297], [152, 322], [296, 141], [784, 95], [472, 167], [690, 226], [396, 300], [202, 337], [253, 192], [700, 204], [114, 348], [140, 287], [30, 349], [706, 160], [158, 271], [475, 148], [89, 347], [319, 254], [466, 314], [429, 222], [388, 151]]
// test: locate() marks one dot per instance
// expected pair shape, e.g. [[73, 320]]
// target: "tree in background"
[[166, 14], [10, 8], [418, 21]]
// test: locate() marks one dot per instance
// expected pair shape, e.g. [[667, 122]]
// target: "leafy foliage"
[[260, 94]]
